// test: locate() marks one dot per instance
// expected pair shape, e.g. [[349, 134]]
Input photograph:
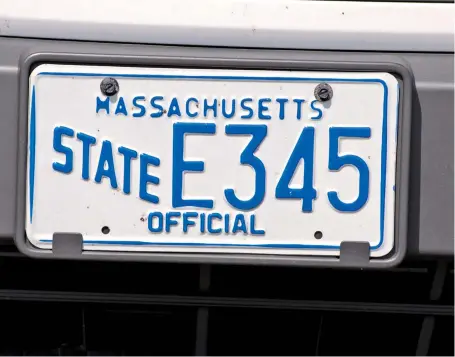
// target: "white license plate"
[[207, 160]]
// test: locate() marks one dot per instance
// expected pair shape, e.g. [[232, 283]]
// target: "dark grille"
[[68, 308]]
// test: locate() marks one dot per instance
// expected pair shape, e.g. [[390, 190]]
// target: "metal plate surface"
[[278, 172]]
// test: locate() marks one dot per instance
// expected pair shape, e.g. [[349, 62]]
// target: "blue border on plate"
[[32, 144]]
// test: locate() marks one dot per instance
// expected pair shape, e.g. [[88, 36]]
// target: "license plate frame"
[[351, 253]]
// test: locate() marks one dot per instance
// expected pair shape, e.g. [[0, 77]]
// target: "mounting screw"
[[323, 92], [109, 86]]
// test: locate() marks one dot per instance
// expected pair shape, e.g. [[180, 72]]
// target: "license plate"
[[212, 160]]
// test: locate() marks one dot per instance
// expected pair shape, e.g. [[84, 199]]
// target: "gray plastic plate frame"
[[68, 245]]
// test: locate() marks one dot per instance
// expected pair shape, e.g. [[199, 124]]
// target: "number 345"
[[304, 149]]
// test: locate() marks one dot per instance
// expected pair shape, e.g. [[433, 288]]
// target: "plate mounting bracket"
[[354, 253], [67, 244]]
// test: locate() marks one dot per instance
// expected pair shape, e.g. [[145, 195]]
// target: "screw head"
[[109, 86], [323, 92]]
